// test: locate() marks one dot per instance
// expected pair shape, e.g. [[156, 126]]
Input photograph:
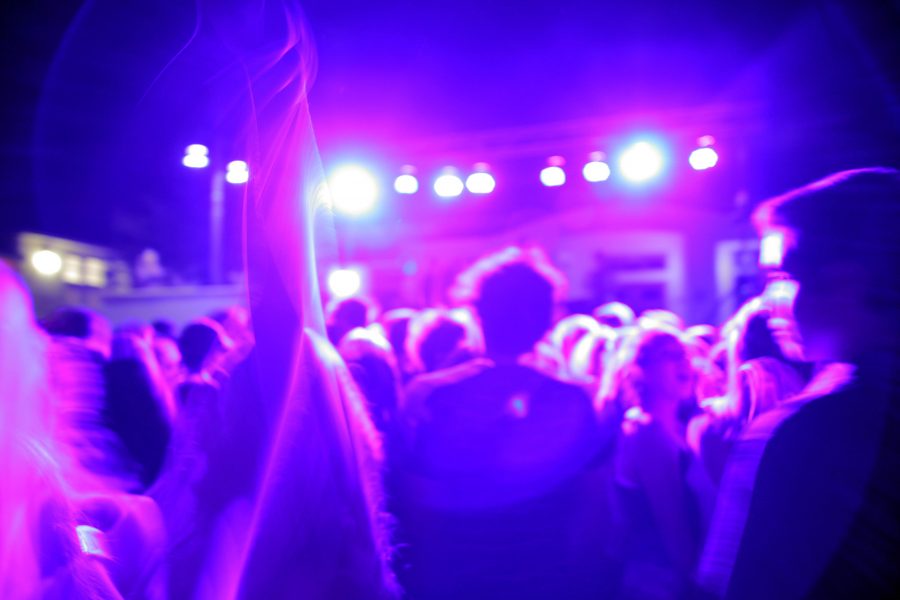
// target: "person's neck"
[[666, 415]]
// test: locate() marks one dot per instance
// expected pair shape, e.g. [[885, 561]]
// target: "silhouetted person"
[[662, 497], [346, 314], [371, 362], [810, 503], [499, 451], [136, 406]]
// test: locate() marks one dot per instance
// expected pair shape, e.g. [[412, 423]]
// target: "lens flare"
[[448, 186], [641, 162], [46, 262], [237, 172], [196, 156], [553, 176], [354, 191], [703, 158], [596, 171], [343, 283], [480, 183], [406, 184]]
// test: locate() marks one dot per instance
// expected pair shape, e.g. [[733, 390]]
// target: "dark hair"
[[346, 314], [69, 321], [165, 328], [514, 292], [198, 341], [372, 365], [849, 216], [396, 327], [757, 339], [435, 339]]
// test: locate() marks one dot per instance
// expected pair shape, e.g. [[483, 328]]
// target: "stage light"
[[640, 162], [596, 171], [343, 283], [553, 176], [196, 156], [46, 262], [448, 186], [406, 184], [480, 183], [771, 249], [353, 190], [237, 172], [703, 158]]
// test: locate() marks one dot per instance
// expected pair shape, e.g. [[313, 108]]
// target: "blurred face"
[[667, 371], [825, 306], [169, 357]]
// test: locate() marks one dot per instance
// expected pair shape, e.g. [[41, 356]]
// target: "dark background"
[[95, 122]]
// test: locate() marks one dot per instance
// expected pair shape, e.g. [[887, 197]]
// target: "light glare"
[[353, 190], [771, 249], [343, 283], [196, 156], [237, 172], [46, 262], [480, 183], [596, 171], [448, 186], [640, 162], [553, 176], [406, 184], [703, 158]]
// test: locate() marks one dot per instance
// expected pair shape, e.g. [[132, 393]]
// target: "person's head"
[[168, 355], [396, 328], [586, 361], [82, 324], [201, 342], [371, 362], [163, 328], [570, 330], [514, 293], [664, 377], [235, 320], [614, 314], [840, 241], [706, 334], [348, 313], [655, 317], [439, 338]]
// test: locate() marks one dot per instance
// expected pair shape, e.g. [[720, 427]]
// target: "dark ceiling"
[[797, 89]]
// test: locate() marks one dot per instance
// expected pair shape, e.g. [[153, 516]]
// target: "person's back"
[[500, 464], [813, 458], [810, 503], [500, 455], [504, 434]]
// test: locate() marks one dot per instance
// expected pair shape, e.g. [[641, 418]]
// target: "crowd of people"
[[489, 448]]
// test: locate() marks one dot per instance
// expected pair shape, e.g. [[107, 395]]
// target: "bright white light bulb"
[[553, 176], [640, 162], [406, 184], [237, 172], [480, 183], [46, 262], [354, 190], [448, 186], [196, 156], [703, 158], [343, 283], [596, 171]]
